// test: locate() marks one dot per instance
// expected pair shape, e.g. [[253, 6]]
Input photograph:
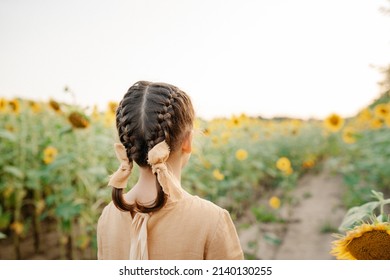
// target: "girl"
[[157, 219]]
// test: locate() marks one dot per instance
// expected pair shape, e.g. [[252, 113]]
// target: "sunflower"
[[78, 120], [334, 122], [365, 115], [17, 227], [206, 132], [3, 105], [364, 242], [284, 164], [49, 154], [308, 163], [376, 123], [55, 106], [241, 154], [294, 131], [15, 106], [382, 111], [274, 202], [218, 175], [34, 106], [112, 106], [349, 135], [234, 122]]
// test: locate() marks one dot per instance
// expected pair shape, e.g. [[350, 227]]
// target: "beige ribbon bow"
[[120, 177], [157, 158]]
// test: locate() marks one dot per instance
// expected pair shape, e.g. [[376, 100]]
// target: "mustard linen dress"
[[190, 228]]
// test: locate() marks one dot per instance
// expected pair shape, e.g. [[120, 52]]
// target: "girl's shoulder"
[[114, 215], [196, 204]]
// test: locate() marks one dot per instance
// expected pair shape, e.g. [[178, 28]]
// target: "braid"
[[164, 123], [168, 116], [148, 114]]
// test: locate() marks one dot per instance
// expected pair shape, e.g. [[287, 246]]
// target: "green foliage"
[[362, 213], [366, 166], [264, 215], [328, 227], [64, 186]]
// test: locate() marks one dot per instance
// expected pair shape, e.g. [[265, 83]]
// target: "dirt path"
[[318, 214], [315, 214]]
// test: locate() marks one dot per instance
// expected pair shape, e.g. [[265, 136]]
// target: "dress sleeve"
[[224, 244]]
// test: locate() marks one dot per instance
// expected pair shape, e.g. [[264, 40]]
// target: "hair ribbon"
[[120, 177], [157, 158]]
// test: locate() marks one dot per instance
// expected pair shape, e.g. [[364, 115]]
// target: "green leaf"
[[68, 210], [33, 179], [50, 200], [351, 179], [272, 239], [357, 214], [5, 219], [2, 235], [7, 135], [377, 195], [386, 201], [66, 130], [14, 171]]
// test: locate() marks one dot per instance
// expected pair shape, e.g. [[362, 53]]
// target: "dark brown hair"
[[148, 114]]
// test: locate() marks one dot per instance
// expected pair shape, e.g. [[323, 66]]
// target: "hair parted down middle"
[[148, 114]]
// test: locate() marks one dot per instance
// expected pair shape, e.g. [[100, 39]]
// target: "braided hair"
[[148, 114]]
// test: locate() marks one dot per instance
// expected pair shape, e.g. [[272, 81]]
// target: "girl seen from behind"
[[157, 218]]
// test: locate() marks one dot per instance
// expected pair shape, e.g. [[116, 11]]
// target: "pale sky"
[[301, 58]]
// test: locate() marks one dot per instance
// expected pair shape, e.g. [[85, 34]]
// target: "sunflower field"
[[56, 160]]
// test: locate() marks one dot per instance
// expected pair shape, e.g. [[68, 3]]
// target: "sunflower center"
[[334, 120], [372, 245]]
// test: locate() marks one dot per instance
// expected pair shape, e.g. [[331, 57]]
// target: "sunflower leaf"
[[7, 135], [358, 214], [15, 171], [377, 195]]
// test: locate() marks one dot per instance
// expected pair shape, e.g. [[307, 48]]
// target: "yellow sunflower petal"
[[365, 242]]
